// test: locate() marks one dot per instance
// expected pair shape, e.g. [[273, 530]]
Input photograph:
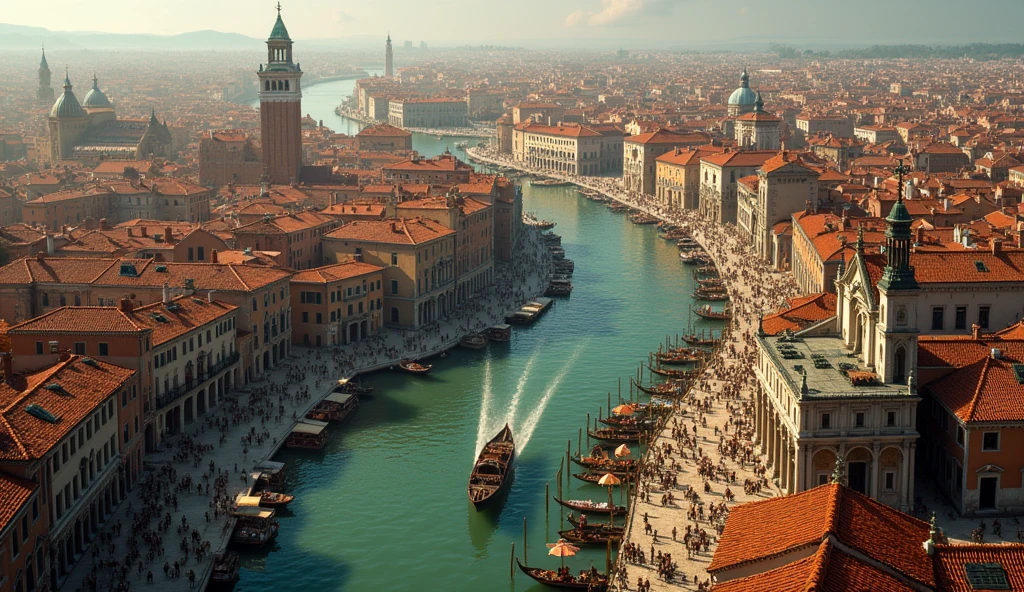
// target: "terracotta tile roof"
[[567, 131], [802, 312], [286, 224], [25, 437], [443, 163], [394, 231], [750, 158], [333, 273], [783, 159], [950, 561], [14, 493], [80, 319], [384, 130], [687, 157], [669, 137], [761, 530], [54, 270], [962, 267], [755, 116], [986, 390], [829, 569]]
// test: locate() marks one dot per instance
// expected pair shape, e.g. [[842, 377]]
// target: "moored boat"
[[256, 526], [226, 566], [591, 507], [307, 433], [672, 388], [271, 499], [591, 581], [348, 385], [706, 312], [626, 422], [473, 341], [606, 465], [491, 475], [591, 478], [592, 536], [687, 244], [711, 295], [700, 340], [558, 287], [615, 436], [580, 523], [414, 367], [500, 333]]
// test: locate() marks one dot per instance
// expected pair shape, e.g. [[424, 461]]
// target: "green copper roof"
[[42, 63], [67, 104], [95, 97], [279, 32], [899, 213]]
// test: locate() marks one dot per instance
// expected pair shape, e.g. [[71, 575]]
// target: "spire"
[[279, 31], [42, 63], [389, 37], [95, 82], [759, 103], [67, 79], [898, 274], [860, 239], [745, 79]]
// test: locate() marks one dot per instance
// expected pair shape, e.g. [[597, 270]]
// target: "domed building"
[[91, 131], [742, 99]]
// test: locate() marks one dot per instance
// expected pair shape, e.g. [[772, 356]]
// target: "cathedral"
[[91, 131]]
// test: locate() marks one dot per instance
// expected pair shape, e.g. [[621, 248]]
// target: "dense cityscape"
[[276, 299]]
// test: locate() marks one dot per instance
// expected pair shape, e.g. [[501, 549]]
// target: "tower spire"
[[898, 274]]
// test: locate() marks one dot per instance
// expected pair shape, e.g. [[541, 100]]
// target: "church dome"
[[95, 97], [743, 95], [67, 104]]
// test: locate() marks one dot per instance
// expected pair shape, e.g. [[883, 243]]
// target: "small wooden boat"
[[643, 218], [618, 207], [681, 357], [706, 271], [711, 295], [694, 258], [550, 238], [549, 183], [226, 566], [623, 422], [271, 499], [558, 288], [591, 478], [473, 341], [499, 333], [615, 436], [706, 312], [674, 373], [616, 467], [579, 523], [307, 433], [347, 385], [666, 389], [557, 253], [591, 507], [544, 225], [699, 340], [256, 526], [592, 536], [711, 283], [565, 266], [591, 581], [688, 244], [492, 472], [414, 367]]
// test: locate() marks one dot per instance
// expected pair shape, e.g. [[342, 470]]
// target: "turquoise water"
[[384, 506]]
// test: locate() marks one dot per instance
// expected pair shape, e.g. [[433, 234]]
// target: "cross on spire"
[[900, 170], [278, 8]]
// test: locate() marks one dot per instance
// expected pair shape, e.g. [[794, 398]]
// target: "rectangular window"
[[80, 348], [39, 348], [394, 258], [990, 441], [394, 286], [983, 316], [937, 313], [960, 436], [104, 349], [305, 317], [890, 419], [961, 317], [201, 253], [859, 419], [826, 421], [190, 257], [319, 319], [889, 481]]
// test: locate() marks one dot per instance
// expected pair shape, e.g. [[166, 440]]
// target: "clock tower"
[[281, 108]]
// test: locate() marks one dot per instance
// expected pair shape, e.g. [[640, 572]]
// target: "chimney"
[[209, 295], [997, 246], [40, 256], [103, 224], [996, 353], [145, 231], [919, 239], [808, 208], [126, 305], [975, 331], [167, 293], [394, 226], [49, 244], [8, 362], [213, 256]]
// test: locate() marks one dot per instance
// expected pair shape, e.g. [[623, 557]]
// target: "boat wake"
[[534, 418], [520, 387], [485, 409]]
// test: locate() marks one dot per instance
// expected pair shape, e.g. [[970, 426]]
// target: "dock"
[[530, 312]]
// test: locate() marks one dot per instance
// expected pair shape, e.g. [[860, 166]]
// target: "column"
[[873, 479], [808, 478]]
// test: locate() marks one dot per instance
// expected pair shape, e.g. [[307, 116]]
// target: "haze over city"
[[602, 295]]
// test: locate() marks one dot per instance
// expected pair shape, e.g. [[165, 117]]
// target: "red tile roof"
[[333, 273], [669, 137], [394, 231], [14, 494], [802, 312], [951, 575], [384, 130], [761, 530], [24, 437], [750, 158]]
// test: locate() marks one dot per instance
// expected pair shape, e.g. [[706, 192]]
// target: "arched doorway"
[[858, 477], [353, 332], [266, 361], [823, 465]]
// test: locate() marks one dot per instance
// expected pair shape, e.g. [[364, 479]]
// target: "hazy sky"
[[512, 21]]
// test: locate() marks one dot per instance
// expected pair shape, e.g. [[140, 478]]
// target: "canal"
[[384, 506]]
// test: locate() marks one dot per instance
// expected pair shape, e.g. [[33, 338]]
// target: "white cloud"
[[343, 17], [615, 12], [574, 19]]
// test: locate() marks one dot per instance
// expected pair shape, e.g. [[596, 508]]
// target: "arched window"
[[900, 370], [266, 85], [286, 85], [273, 85]]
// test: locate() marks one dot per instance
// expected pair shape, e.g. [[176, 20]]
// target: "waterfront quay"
[[164, 534], [707, 444]]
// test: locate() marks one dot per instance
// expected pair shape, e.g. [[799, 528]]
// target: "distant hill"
[[22, 37]]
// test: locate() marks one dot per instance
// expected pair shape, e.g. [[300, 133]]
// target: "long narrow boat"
[[671, 388], [226, 566], [706, 312], [710, 295], [592, 536], [699, 340], [681, 358], [414, 367], [491, 476], [579, 524], [591, 507], [473, 341], [627, 423], [615, 436], [674, 373], [271, 499], [585, 581], [607, 465], [591, 478]]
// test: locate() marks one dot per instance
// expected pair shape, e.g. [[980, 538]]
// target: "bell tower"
[[44, 94], [389, 59], [281, 108], [898, 324]]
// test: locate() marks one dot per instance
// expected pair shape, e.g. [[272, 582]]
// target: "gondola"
[[707, 271], [616, 467], [674, 373], [551, 578], [706, 312], [271, 499], [681, 358], [687, 244], [492, 472], [226, 566], [700, 341], [591, 507], [592, 536], [615, 436], [591, 478], [473, 341], [414, 367], [579, 524], [629, 423]]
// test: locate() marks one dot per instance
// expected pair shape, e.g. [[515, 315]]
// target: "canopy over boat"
[[340, 398]]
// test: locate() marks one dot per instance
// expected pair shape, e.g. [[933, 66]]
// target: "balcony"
[[182, 389]]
